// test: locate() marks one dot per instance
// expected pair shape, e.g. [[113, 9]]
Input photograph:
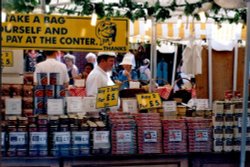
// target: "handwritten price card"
[[149, 101], [107, 96]]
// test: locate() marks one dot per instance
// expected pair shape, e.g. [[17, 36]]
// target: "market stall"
[[151, 126]]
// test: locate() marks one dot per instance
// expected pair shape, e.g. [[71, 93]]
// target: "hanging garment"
[[162, 72], [191, 56]]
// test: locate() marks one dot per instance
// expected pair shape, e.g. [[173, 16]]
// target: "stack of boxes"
[[199, 135], [149, 133], [174, 136], [17, 136], [38, 136], [123, 133], [48, 88], [60, 143], [80, 144], [227, 126]]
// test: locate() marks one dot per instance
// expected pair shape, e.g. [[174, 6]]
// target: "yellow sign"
[[51, 32], [149, 101], [107, 96], [7, 59]]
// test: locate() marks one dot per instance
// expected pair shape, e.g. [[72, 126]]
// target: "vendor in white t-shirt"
[[99, 77]]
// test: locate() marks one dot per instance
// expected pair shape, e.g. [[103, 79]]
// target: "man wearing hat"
[[99, 76]]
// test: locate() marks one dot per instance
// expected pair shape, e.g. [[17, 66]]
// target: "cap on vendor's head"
[[126, 61], [107, 53]]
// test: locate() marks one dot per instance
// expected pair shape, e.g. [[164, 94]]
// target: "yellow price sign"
[[7, 59], [107, 96], [149, 101]]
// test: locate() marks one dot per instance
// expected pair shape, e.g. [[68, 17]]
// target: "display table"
[[30, 161], [152, 160]]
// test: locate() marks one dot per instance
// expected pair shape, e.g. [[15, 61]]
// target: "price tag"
[[169, 106], [150, 136], [38, 138], [80, 137], [7, 59], [201, 104], [149, 101], [79, 82], [17, 138], [13, 106], [89, 104], [129, 105], [61, 138], [101, 137], [240, 122], [175, 135], [3, 138], [134, 85], [55, 107], [107, 96], [124, 136], [74, 104], [201, 135]]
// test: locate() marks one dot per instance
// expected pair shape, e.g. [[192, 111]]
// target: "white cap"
[[126, 61], [107, 53], [90, 55], [69, 56]]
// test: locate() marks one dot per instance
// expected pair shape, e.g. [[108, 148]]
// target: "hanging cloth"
[[191, 56]]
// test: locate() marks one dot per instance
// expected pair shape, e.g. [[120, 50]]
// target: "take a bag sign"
[[52, 32], [107, 96], [149, 101]]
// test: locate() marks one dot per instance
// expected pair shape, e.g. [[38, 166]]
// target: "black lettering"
[[18, 18], [54, 30], [31, 39], [55, 20], [36, 19]]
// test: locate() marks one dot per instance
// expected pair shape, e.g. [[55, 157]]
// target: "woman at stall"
[[71, 67], [127, 74]]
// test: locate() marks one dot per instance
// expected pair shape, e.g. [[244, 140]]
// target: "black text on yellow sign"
[[149, 101], [7, 59], [107, 96], [50, 32]]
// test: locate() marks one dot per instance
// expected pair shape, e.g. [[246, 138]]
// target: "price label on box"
[[74, 104], [169, 106], [55, 107], [80, 137], [39, 138], [124, 136], [89, 104], [13, 106], [101, 137], [175, 135], [107, 96], [201, 135], [129, 105], [17, 138], [149, 101], [61, 138], [150, 136]]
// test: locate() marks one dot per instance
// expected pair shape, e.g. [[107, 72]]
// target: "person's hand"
[[127, 74]]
